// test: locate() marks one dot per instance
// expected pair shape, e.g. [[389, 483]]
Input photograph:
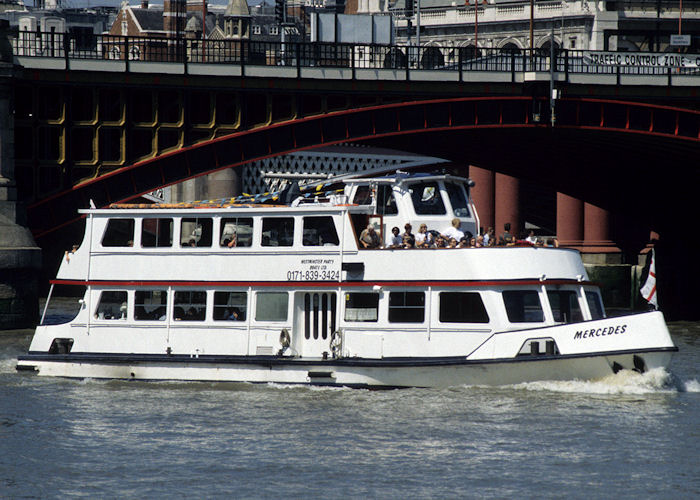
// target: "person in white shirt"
[[423, 238], [531, 237], [488, 237], [396, 240], [454, 232]]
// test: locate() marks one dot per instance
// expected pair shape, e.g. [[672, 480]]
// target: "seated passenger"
[[233, 241], [369, 237], [424, 239], [506, 237], [531, 237], [178, 313], [396, 240], [235, 315], [440, 242], [454, 232], [159, 313], [408, 237]]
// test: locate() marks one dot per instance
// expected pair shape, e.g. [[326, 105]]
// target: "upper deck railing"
[[363, 61]]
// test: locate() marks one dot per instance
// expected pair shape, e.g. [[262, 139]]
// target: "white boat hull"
[[356, 373]]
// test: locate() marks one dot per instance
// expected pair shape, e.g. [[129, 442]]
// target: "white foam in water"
[[7, 365], [623, 382], [691, 386]]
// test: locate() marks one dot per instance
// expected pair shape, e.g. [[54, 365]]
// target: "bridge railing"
[[354, 56]]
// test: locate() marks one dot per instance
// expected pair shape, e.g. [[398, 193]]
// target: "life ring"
[[336, 344], [285, 339]]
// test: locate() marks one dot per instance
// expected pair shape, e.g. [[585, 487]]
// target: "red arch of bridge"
[[362, 124]]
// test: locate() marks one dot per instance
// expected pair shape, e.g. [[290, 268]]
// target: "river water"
[[626, 436]]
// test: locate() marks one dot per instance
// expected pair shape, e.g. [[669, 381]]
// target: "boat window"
[[190, 305], [278, 232], [595, 305], [157, 233], [119, 233], [565, 306], [363, 196], [458, 199], [230, 306], [462, 307], [150, 305], [320, 231], [196, 232], [112, 305], [271, 306], [523, 306], [236, 232], [361, 306], [386, 203], [426, 199], [406, 307]]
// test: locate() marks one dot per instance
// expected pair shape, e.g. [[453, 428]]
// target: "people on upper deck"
[[489, 237], [73, 249], [505, 237], [424, 239], [479, 241], [454, 232], [369, 237], [408, 237], [531, 237], [396, 240]]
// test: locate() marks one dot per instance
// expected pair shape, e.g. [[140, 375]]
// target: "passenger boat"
[[277, 288]]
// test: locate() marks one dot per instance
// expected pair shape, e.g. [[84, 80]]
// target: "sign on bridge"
[[680, 40], [648, 59]]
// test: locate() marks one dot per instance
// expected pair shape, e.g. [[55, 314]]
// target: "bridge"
[[128, 115]]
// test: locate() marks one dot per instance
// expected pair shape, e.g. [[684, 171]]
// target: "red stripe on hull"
[[321, 284]]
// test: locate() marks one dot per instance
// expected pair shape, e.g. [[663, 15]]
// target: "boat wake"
[[657, 380]]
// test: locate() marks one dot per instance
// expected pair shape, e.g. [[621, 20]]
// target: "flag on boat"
[[648, 291]]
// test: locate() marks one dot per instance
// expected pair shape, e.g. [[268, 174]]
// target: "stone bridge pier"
[[20, 257]]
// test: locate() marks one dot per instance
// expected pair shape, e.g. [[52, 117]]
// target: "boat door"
[[314, 322]]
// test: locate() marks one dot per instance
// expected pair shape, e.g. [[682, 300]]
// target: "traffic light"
[[279, 10]]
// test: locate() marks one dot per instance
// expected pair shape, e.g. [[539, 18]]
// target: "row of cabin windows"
[[425, 196], [522, 306], [190, 305], [232, 232]]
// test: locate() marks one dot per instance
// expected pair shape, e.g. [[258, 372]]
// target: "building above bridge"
[[633, 25]]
